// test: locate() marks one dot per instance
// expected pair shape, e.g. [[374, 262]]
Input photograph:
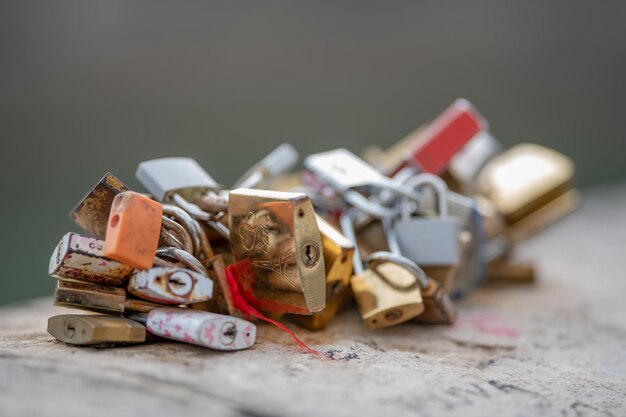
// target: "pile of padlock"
[[402, 232]]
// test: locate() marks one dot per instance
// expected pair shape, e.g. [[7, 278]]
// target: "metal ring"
[[178, 231], [368, 206], [180, 255], [375, 259]]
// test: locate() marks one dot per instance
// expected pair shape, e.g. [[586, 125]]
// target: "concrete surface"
[[557, 348]]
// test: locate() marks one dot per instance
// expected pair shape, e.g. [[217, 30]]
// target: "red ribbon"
[[240, 302]]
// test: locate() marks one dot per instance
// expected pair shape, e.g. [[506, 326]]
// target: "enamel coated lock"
[[167, 285], [201, 328], [428, 240], [277, 233], [338, 255], [93, 330], [92, 297], [92, 212], [386, 296], [525, 178], [82, 258], [350, 177]]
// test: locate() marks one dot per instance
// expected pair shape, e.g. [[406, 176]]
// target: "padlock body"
[[134, 229], [382, 305], [92, 330], [82, 258], [169, 285], [338, 253], [467, 163], [276, 234], [202, 328], [91, 297], [429, 241], [92, 212], [438, 307], [321, 320], [166, 176]]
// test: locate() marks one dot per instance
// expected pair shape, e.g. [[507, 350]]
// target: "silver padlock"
[[428, 240], [180, 181], [278, 162], [352, 179], [168, 285]]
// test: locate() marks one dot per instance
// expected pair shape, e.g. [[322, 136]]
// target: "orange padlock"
[[133, 231]]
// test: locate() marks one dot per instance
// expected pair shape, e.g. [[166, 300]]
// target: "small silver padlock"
[[349, 176], [428, 240]]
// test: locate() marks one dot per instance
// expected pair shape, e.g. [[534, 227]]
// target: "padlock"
[[428, 241], [278, 162], [440, 140], [168, 285], [385, 297], [94, 329], [352, 180], [222, 300], [449, 276], [504, 272], [201, 247], [467, 163], [202, 328], [182, 182], [134, 229], [438, 308], [92, 297], [82, 258], [525, 178], [338, 255], [277, 233], [92, 212], [390, 160]]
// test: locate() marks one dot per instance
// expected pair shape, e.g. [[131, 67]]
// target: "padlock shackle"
[[197, 213], [425, 179], [186, 258], [175, 233], [346, 222], [375, 259]]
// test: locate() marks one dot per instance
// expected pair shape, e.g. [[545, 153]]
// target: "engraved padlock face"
[[82, 258], [338, 255], [438, 307], [92, 330], [342, 170], [165, 176], [92, 212], [89, 297], [383, 305], [277, 234], [210, 330], [169, 285], [525, 178]]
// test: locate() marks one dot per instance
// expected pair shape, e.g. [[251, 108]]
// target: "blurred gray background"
[[87, 87]]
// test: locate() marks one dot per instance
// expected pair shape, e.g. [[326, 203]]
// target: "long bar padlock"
[[438, 307], [182, 182], [278, 162], [338, 254], [82, 258], [99, 298], [424, 240], [169, 285], [385, 297], [525, 178], [202, 328], [352, 179], [78, 329], [276, 233]]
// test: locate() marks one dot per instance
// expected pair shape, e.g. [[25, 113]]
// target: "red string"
[[242, 304]]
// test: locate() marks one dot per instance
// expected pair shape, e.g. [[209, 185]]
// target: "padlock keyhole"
[[115, 220]]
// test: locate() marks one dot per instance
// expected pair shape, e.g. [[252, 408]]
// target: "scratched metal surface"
[[557, 348]]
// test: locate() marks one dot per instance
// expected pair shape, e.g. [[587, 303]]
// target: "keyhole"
[[393, 315], [180, 283], [69, 330], [115, 220], [310, 255], [336, 287]]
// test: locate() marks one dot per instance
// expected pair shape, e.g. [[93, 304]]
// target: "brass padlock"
[[338, 254], [92, 297], [525, 178], [92, 212], [386, 296], [82, 258], [93, 330], [276, 232]]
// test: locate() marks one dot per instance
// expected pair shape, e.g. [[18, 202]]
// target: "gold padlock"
[[92, 330], [386, 296], [525, 178], [338, 254], [505, 272], [276, 233]]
